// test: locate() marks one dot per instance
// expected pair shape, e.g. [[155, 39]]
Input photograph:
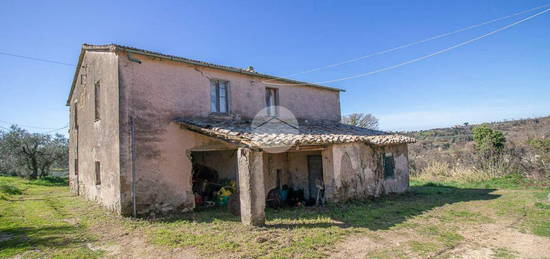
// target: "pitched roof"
[[116, 47], [281, 133]]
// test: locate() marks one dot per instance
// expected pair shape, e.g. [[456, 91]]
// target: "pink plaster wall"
[[184, 90], [157, 91], [152, 94]]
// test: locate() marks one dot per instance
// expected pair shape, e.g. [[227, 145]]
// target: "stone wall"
[[355, 171]]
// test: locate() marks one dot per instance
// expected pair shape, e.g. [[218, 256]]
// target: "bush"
[[443, 172], [51, 181], [10, 189]]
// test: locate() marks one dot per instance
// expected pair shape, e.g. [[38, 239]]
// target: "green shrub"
[[51, 181], [10, 189]]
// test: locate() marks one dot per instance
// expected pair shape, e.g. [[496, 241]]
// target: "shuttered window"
[[219, 91]]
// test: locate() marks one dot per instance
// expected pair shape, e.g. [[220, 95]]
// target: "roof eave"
[[115, 47], [221, 67]]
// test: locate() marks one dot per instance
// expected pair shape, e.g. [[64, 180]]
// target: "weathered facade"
[[140, 120]]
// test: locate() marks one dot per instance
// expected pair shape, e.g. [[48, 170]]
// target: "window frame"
[[272, 91], [388, 173], [217, 97]]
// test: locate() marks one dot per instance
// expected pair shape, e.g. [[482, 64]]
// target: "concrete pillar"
[[251, 186], [329, 174]]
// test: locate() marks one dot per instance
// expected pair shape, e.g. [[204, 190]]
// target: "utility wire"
[[414, 43], [26, 126], [426, 56], [55, 130], [36, 59], [45, 132]]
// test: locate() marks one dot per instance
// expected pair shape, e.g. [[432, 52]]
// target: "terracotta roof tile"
[[281, 133]]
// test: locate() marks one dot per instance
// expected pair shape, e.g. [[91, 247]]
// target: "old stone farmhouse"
[[143, 124]]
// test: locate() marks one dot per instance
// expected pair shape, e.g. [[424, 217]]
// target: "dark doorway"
[[315, 171]]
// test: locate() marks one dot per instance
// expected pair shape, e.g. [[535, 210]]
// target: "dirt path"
[[492, 239], [480, 241], [117, 242]]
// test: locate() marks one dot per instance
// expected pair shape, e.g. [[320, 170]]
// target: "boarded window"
[[272, 101], [219, 91], [97, 173], [389, 166], [97, 101], [76, 167]]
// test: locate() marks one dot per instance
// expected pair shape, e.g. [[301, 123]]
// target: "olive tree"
[[31, 154]]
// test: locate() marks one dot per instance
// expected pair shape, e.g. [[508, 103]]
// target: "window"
[[97, 173], [389, 166], [76, 167], [272, 101], [218, 96], [75, 118], [97, 101]]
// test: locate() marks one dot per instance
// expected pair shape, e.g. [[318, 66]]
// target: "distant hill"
[[516, 131], [450, 152]]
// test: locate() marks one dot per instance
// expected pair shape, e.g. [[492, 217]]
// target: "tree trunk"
[[45, 170], [34, 166]]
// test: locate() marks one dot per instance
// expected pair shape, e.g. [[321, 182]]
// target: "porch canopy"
[[252, 138], [279, 132]]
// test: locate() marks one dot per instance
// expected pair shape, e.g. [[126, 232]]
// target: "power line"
[[413, 43], [45, 132], [426, 56], [25, 126], [36, 59], [55, 130]]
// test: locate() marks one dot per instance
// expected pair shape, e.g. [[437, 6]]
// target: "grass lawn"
[[43, 219]]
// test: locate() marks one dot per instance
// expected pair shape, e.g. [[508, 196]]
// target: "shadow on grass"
[[382, 213], [32, 237], [50, 181], [200, 215], [378, 214]]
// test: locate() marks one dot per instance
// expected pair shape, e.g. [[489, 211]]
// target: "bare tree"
[[363, 120]]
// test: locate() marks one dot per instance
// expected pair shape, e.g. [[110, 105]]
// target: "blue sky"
[[503, 76]]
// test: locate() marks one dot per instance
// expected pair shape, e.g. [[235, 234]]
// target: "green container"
[[222, 201]]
